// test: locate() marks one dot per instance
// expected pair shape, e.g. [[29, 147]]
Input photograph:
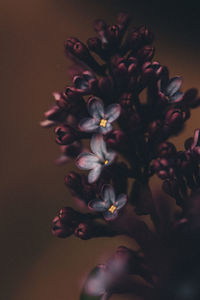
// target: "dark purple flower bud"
[[163, 168], [65, 135], [126, 101], [146, 53], [175, 118], [105, 85], [190, 98], [155, 128], [95, 45], [59, 229], [146, 35], [100, 27], [53, 116], [84, 231], [68, 215], [116, 139], [113, 35], [188, 143], [138, 38], [73, 182], [85, 83], [69, 152], [77, 48], [166, 149], [151, 70], [123, 20]]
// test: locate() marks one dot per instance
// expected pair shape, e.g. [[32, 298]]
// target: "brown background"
[[35, 265]]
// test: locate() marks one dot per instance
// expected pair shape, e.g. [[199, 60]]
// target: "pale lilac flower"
[[96, 161], [171, 89], [109, 205], [101, 118]]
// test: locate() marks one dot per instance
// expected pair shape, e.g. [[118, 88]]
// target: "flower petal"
[[121, 201], [87, 161], [96, 108], [88, 124], [80, 83], [94, 173], [98, 205], [98, 146], [110, 156], [173, 85], [177, 97], [196, 142], [112, 112], [108, 194], [105, 130], [109, 216]]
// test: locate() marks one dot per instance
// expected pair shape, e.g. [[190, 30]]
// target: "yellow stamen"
[[112, 208], [106, 162], [103, 123]]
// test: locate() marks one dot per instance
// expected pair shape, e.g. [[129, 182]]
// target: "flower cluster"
[[125, 109]]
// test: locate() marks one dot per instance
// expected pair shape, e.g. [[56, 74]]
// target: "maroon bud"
[[155, 128], [113, 34], [188, 143], [77, 48], [146, 35], [59, 229], [146, 53], [116, 139], [163, 168], [126, 101], [105, 85], [84, 231], [95, 45], [166, 149], [65, 135], [73, 181], [53, 116], [175, 118], [68, 216], [184, 161], [123, 20], [100, 27]]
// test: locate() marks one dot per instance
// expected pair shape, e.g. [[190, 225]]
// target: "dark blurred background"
[[35, 265]]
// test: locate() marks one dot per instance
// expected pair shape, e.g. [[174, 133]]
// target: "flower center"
[[103, 122], [106, 162], [112, 209]]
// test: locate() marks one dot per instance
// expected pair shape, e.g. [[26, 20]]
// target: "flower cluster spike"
[[103, 123]]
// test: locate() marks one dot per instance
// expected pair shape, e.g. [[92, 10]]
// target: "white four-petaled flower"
[[109, 205], [101, 118], [97, 160]]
